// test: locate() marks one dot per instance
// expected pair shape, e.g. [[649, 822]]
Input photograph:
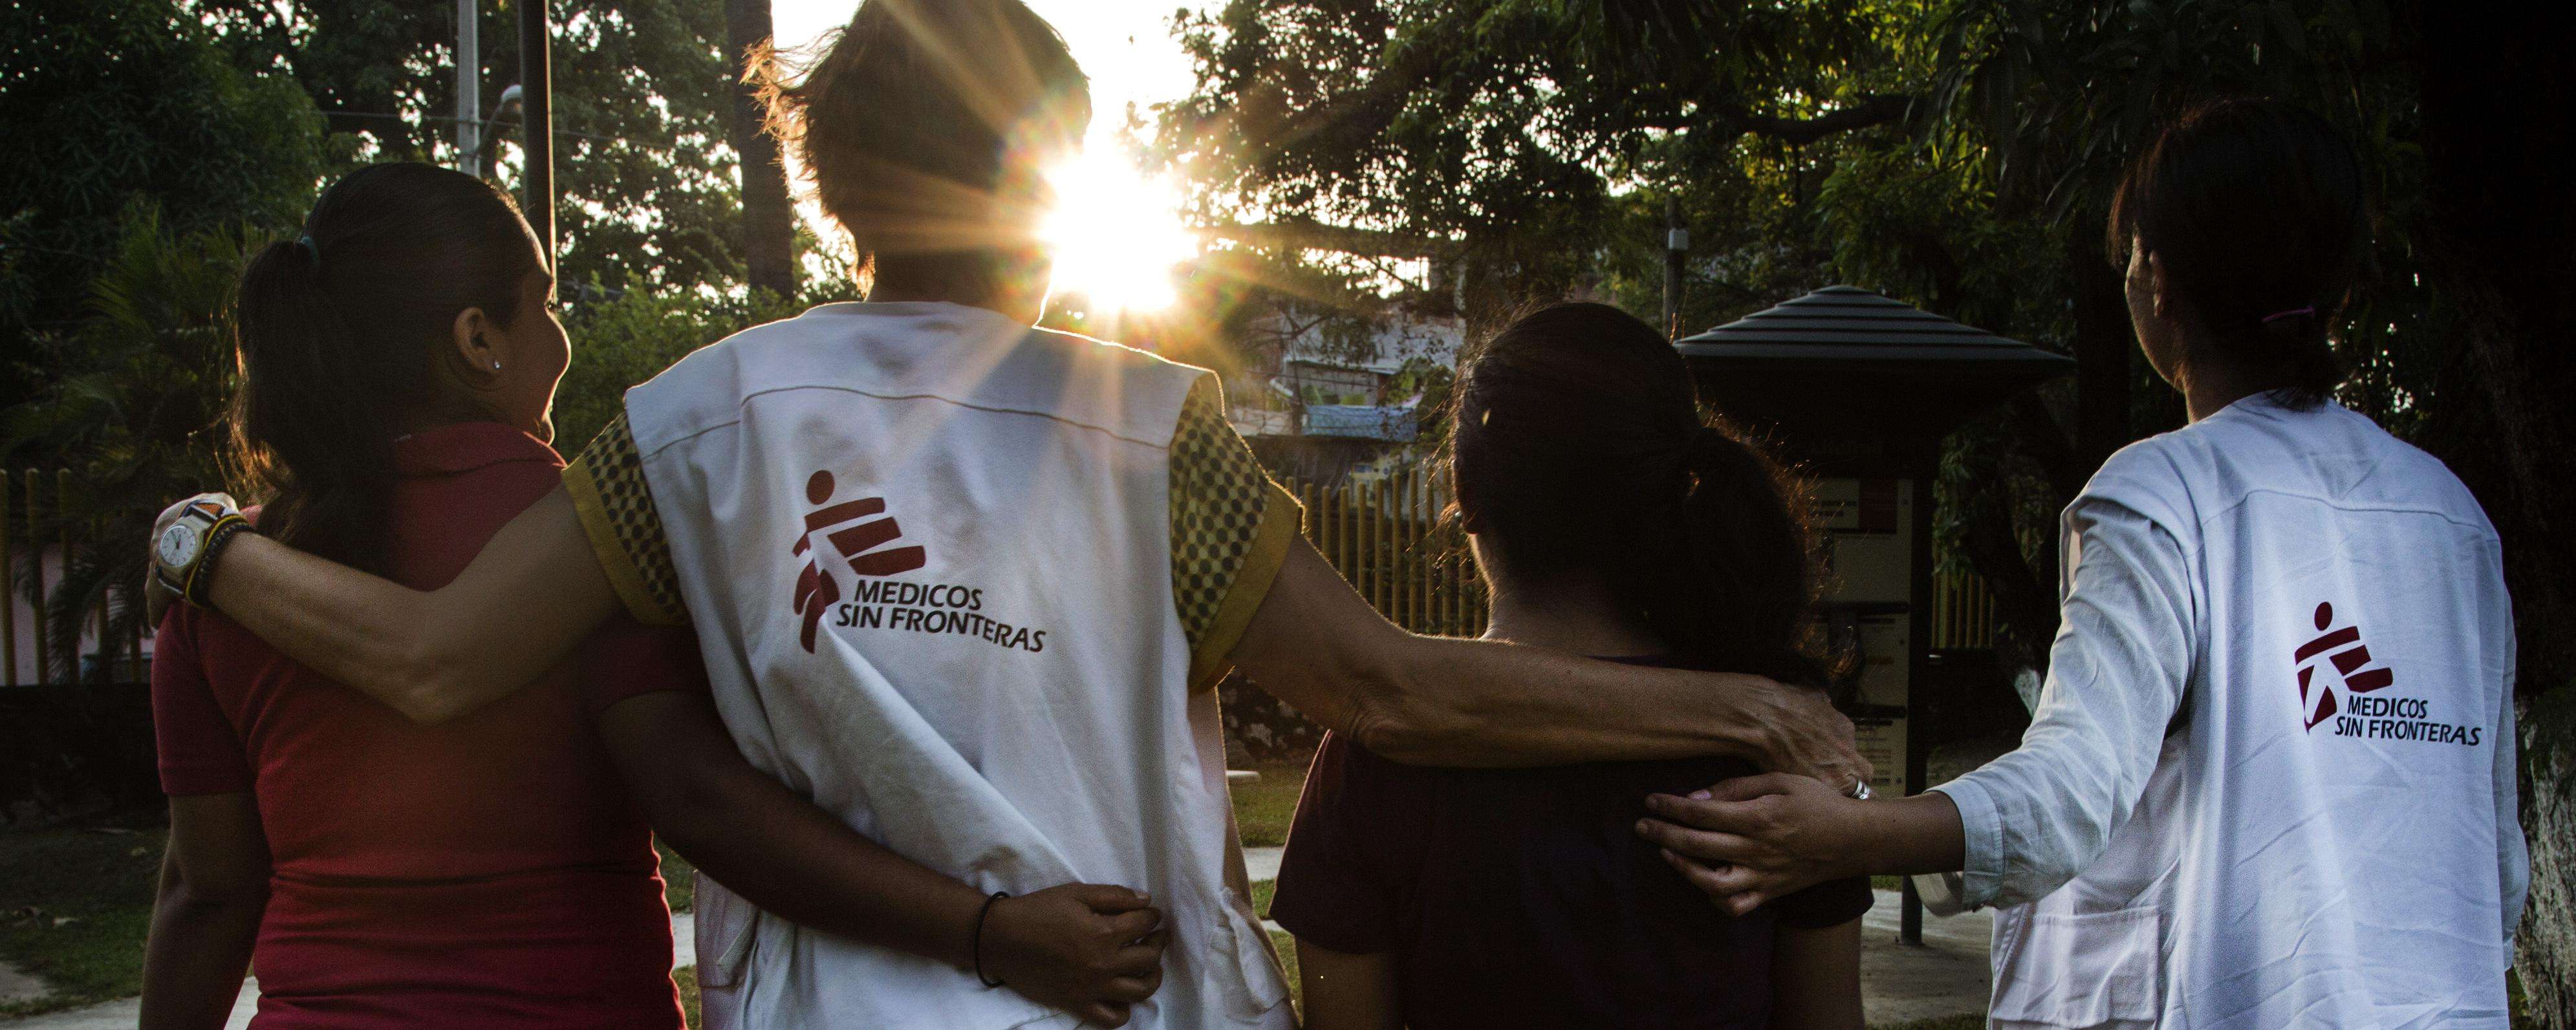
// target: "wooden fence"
[[43, 521], [1387, 537]]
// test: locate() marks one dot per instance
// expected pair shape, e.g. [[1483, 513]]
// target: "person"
[[493, 871], [2269, 779], [967, 584], [1608, 519]]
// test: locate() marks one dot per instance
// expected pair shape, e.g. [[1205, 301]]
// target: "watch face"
[[178, 545]]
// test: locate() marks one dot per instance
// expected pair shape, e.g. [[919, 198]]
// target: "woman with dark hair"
[[2270, 778], [1608, 518], [398, 363]]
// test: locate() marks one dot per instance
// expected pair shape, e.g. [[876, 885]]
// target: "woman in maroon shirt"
[[399, 364], [1609, 521]]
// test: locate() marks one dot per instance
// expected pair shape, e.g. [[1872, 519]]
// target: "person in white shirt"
[[2270, 778]]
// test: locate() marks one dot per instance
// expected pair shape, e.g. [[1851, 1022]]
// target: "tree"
[[131, 407], [641, 92], [107, 101], [2500, 246]]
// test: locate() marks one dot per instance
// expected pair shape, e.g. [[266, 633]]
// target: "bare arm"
[[1349, 992], [1815, 978], [515, 612], [214, 888], [1428, 700], [1090, 949]]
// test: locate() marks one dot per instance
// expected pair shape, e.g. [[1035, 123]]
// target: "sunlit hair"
[[924, 125]]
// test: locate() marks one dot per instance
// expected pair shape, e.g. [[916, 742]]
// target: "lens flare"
[[1117, 234]]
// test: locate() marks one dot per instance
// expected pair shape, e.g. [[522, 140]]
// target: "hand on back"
[[1093, 950], [1756, 839]]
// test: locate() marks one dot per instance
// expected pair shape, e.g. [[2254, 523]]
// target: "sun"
[[1117, 234]]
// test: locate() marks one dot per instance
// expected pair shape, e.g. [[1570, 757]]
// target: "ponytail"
[[1580, 450], [1734, 588], [308, 430], [406, 248]]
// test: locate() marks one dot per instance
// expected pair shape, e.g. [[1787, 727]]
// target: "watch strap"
[[200, 573]]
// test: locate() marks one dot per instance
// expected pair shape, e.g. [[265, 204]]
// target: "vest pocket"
[[723, 924], [1263, 983], [2099, 969]]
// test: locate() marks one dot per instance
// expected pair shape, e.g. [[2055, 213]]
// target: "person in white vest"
[[968, 584], [2270, 777]]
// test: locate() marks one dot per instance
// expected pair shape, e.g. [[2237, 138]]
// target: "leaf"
[[2285, 22]]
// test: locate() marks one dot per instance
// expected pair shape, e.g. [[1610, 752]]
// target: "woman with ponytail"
[[398, 361], [2270, 779], [1608, 518]]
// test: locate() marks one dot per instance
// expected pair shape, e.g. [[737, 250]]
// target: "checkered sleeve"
[[1231, 530], [616, 505]]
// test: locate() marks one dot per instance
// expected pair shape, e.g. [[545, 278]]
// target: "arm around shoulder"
[[1316, 645], [516, 610]]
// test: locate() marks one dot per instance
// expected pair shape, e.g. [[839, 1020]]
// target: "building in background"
[[1326, 397]]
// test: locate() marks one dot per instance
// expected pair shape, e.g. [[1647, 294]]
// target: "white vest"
[[2318, 845], [927, 550]]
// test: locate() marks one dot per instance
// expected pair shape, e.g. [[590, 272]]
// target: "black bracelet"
[[979, 938], [201, 579]]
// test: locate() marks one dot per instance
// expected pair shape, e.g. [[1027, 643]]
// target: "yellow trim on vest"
[[605, 546], [1281, 517]]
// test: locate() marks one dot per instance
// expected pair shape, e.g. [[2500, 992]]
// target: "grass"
[[75, 907], [1263, 808], [687, 978], [679, 879], [1942, 1023]]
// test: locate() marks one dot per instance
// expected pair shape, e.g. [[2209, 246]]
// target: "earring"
[[496, 366]]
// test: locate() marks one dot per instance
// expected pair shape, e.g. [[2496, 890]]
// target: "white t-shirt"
[[2325, 835]]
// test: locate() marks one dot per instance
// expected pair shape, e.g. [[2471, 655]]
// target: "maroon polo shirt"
[[489, 872]]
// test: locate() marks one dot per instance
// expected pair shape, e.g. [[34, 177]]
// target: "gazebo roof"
[[1843, 361]]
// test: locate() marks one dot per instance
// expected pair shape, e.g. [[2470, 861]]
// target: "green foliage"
[[132, 405], [649, 198], [1954, 154], [620, 342], [104, 102]]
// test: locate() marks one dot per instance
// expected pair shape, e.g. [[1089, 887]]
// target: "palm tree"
[[134, 418]]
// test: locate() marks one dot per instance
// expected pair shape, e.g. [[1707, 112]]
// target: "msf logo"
[[857, 539], [2344, 650]]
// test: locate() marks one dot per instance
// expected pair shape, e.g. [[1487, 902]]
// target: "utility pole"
[[537, 126], [469, 91], [1676, 246]]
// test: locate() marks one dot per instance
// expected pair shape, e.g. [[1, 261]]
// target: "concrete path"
[[1262, 863], [122, 1015], [1946, 976]]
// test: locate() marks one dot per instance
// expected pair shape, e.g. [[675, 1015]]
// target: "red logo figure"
[[2342, 647], [816, 589]]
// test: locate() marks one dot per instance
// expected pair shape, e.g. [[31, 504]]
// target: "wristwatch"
[[184, 554]]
